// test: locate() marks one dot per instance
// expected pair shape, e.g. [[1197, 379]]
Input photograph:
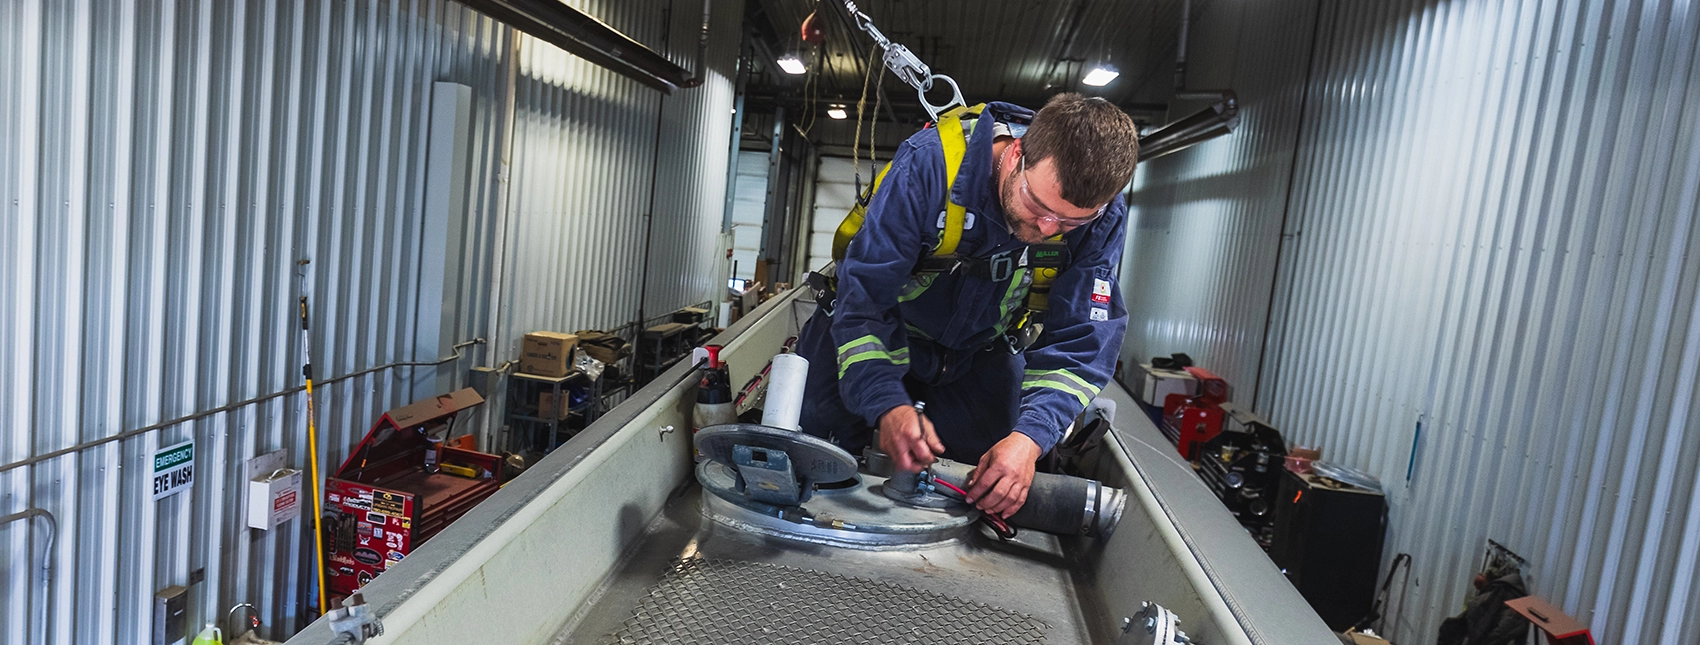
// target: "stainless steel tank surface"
[[697, 580], [791, 544]]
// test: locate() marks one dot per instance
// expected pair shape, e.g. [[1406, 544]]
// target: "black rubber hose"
[[1055, 504]]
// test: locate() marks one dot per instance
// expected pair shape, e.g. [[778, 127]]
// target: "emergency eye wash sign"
[[173, 470]]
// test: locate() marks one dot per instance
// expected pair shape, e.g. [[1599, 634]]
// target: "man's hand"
[[908, 438], [999, 485]]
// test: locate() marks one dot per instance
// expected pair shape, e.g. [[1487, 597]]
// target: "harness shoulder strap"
[[955, 145]]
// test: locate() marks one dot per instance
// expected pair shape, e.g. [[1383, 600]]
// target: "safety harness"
[[1035, 271]]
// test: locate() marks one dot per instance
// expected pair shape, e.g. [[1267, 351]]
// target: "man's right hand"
[[908, 438]]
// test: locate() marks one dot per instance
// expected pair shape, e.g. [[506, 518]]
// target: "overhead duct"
[[1219, 119], [591, 39], [1214, 121]]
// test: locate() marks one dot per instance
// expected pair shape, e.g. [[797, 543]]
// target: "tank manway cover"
[[813, 459], [702, 600]]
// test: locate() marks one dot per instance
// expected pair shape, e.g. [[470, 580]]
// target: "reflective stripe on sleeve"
[[868, 348], [1063, 380]]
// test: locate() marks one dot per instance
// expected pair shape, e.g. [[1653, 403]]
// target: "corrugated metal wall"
[[162, 167], [1205, 224], [1488, 237]]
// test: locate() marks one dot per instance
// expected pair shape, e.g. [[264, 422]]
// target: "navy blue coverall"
[[896, 337]]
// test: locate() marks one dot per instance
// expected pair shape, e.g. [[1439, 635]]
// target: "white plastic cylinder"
[[785, 384]]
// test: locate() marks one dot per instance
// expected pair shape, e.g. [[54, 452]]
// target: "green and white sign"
[[173, 469]]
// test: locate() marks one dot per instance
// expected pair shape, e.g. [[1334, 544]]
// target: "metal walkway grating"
[[728, 601]]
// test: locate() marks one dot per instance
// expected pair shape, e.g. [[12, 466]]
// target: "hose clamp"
[[1090, 516]]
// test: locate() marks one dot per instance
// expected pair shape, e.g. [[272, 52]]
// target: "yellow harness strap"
[[955, 147]]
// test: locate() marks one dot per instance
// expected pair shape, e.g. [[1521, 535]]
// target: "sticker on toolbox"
[[357, 503], [389, 503], [335, 498], [377, 531], [376, 518], [394, 555]]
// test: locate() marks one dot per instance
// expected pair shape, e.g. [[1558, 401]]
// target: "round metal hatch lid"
[[812, 459]]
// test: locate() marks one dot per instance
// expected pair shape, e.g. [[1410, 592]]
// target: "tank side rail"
[[1244, 597], [520, 562]]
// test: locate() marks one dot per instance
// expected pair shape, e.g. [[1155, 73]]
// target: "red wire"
[[998, 525], [959, 491]]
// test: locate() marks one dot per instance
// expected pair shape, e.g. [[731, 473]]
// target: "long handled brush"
[[313, 450]]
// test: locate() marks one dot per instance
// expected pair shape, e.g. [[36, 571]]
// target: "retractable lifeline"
[[312, 442]]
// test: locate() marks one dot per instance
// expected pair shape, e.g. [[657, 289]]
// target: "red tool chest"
[[384, 501], [1192, 420]]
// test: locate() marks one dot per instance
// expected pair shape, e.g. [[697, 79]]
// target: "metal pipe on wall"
[[1180, 45], [46, 562], [702, 47]]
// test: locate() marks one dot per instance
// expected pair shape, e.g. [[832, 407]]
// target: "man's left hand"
[[999, 485]]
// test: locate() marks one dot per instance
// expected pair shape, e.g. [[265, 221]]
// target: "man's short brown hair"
[[1093, 144]]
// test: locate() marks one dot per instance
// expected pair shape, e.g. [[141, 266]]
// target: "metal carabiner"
[[935, 110]]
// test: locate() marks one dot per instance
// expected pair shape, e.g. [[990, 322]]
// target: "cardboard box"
[[549, 408], [547, 353]]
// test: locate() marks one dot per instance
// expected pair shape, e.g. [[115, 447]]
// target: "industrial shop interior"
[[1122, 322]]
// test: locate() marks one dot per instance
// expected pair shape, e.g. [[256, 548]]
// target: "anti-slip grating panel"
[[727, 601]]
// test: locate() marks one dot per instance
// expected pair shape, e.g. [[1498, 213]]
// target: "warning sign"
[[173, 470]]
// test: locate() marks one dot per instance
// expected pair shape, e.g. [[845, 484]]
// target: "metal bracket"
[[767, 476], [1153, 625], [354, 621]]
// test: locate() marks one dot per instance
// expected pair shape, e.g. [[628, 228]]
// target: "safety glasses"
[[1046, 214]]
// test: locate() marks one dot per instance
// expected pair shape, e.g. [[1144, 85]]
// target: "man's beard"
[[1022, 230]]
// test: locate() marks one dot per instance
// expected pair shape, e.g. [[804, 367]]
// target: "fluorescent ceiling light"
[[792, 65], [837, 112], [1100, 76]]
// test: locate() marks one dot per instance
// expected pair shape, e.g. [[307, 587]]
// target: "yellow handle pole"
[[318, 496], [313, 462]]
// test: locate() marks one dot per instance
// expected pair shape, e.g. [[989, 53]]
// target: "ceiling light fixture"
[[1100, 76], [837, 112], [792, 64]]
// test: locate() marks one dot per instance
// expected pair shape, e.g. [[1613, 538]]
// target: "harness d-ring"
[[935, 110]]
